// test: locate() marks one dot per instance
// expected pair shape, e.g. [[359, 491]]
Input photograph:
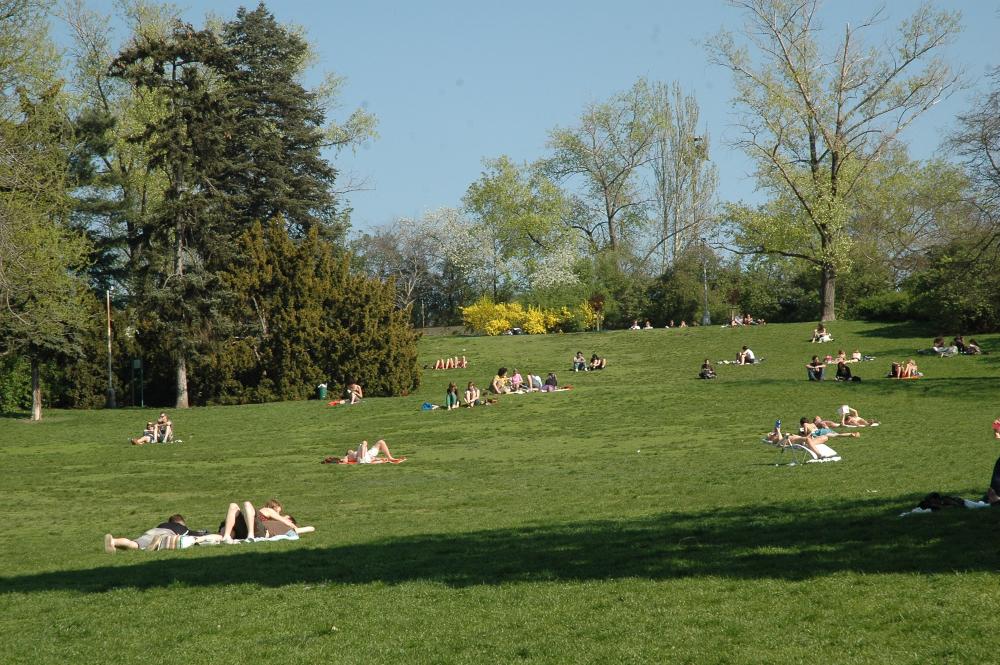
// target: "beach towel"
[[379, 460]]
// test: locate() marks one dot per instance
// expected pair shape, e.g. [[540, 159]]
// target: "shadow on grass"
[[790, 542], [902, 329]]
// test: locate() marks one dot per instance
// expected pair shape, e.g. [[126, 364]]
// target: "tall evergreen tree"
[[277, 135], [187, 143]]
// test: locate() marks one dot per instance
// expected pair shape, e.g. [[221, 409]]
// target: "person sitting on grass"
[[909, 370], [815, 369], [500, 385], [648, 326], [635, 325], [163, 429], [849, 418], [843, 372], [820, 334], [856, 356], [451, 398], [596, 362], [707, 371], [148, 435], [972, 347], [579, 362], [534, 382], [516, 381], [745, 356], [551, 383], [840, 357], [174, 526], [365, 455], [471, 395], [353, 393]]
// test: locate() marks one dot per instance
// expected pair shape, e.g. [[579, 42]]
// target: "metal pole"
[[111, 385], [706, 318]]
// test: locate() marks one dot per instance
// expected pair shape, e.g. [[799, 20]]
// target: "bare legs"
[[234, 510], [379, 446]]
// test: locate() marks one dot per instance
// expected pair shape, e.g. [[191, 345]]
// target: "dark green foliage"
[[15, 384], [275, 138], [960, 290]]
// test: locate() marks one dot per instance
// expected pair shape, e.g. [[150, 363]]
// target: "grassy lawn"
[[635, 518]]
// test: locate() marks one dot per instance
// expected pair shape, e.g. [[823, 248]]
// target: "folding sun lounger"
[[801, 454]]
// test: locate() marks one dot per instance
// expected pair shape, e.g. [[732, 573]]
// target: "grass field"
[[634, 519]]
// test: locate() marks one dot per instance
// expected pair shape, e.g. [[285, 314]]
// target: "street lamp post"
[[111, 385], [706, 318]]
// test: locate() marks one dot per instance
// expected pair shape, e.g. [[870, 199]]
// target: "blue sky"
[[455, 82]]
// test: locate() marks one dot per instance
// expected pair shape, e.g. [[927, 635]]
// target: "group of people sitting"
[[958, 346], [815, 433], [580, 363], [241, 523], [159, 431], [503, 384], [458, 362], [744, 320], [816, 369], [907, 370]]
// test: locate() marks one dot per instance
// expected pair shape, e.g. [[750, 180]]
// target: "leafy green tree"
[[815, 123], [187, 143]]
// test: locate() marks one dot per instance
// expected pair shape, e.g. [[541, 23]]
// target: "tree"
[[683, 180], [40, 292], [815, 124], [188, 144], [605, 154]]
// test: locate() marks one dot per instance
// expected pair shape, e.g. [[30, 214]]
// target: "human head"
[[452, 386], [815, 359], [470, 386], [841, 363], [502, 371], [744, 347], [177, 518], [274, 505], [149, 424]]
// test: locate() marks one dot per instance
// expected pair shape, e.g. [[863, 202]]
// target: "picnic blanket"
[[175, 542]]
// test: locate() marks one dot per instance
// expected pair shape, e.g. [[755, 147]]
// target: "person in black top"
[[843, 372], [174, 526]]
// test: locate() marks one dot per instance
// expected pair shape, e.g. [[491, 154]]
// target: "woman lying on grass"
[[365, 455], [810, 428], [849, 418], [267, 520]]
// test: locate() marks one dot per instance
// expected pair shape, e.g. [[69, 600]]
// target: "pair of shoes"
[[109, 543]]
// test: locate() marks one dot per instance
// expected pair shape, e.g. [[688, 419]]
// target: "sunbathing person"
[[745, 356], [471, 395], [820, 334], [825, 424], [148, 435], [516, 381], [365, 455], [810, 428], [501, 382], [707, 371], [856, 356], [267, 520], [849, 417], [596, 362], [451, 398], [972, 347], [843, 372], [816, 444], [815, 369], [164, 429], [174, 526], [534, 382], [551, 383], [353, 393], [909, 370]]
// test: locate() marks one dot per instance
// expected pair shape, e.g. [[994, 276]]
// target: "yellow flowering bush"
[[490, 318]]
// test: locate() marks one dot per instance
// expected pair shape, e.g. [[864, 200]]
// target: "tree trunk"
[[182, 383], [828, 293], [36, 391]]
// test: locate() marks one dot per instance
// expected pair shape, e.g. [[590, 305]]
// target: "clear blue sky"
[[453, 82]]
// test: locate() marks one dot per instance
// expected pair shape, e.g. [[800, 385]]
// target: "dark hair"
[[501, 371], [176, 518], [816, 358], [803, 420]]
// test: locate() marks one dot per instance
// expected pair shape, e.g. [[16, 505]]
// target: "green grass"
[[636, 518]]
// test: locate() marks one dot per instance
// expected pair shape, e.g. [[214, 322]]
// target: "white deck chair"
[[801, 454]]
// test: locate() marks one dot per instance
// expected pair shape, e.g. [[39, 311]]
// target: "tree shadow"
[[901, 329], [796, 541]]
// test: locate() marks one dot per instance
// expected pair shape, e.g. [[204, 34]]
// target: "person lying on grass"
[[267, 520], [809, 428], [174, 526], [849, 418], [776, 437], [365, 455]]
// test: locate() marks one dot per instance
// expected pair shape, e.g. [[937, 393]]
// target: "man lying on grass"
[[174, 526]]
